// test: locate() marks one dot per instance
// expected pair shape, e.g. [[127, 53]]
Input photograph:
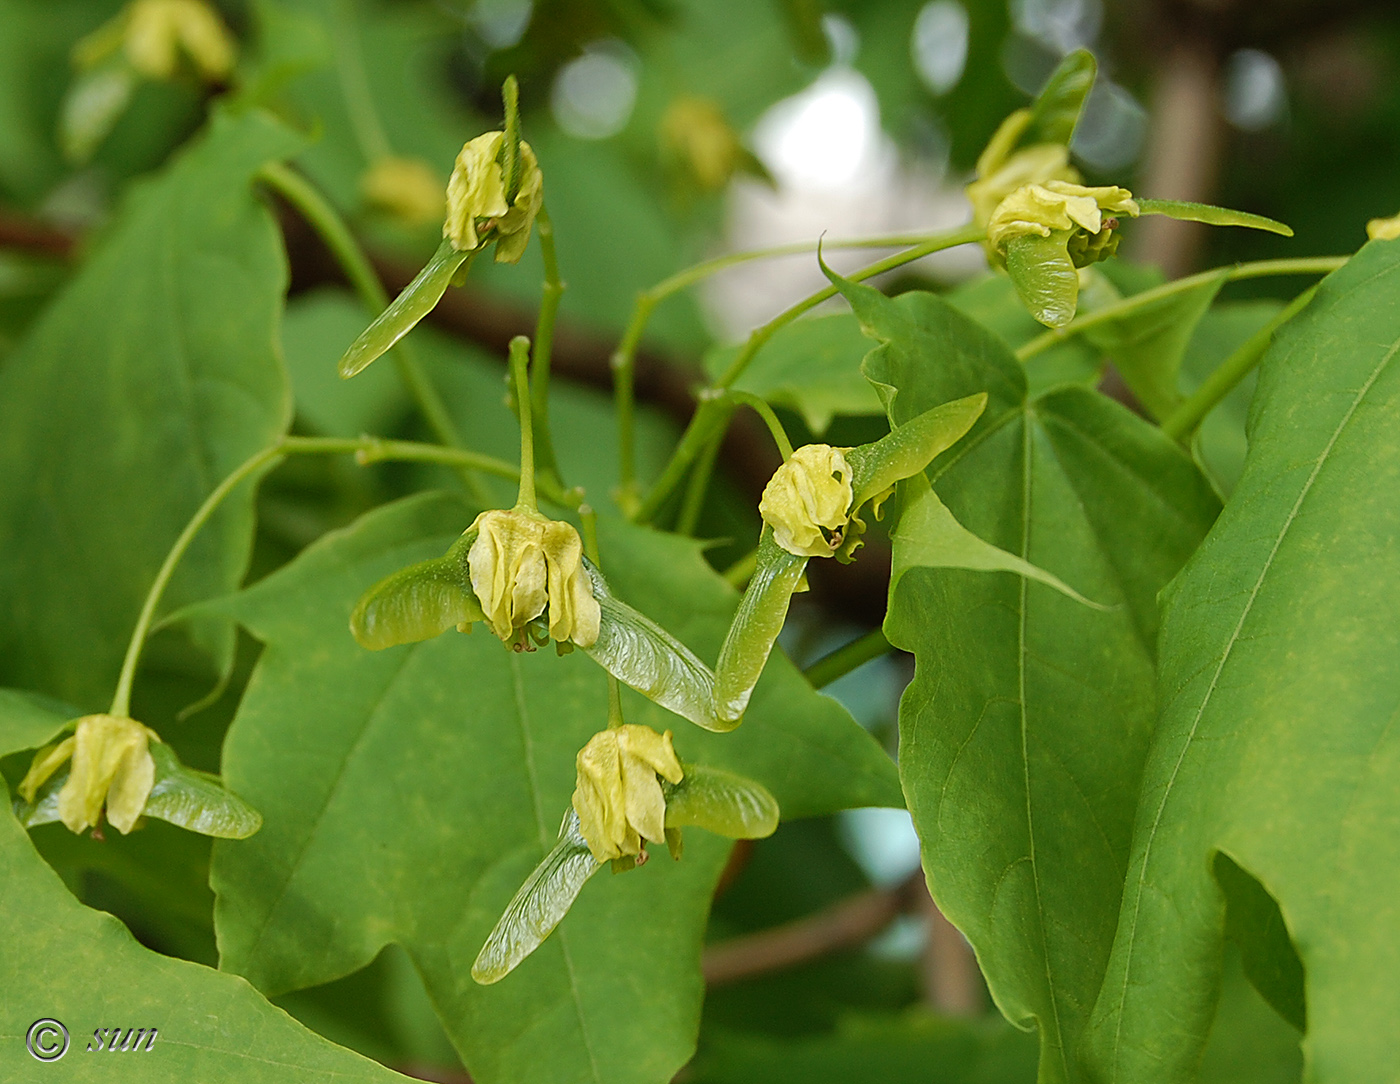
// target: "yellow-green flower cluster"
[[112, 765], [154, 33], [618, 797], [522, 564], [807, 502], [477, 208], [1042, 209], [1000, 170]]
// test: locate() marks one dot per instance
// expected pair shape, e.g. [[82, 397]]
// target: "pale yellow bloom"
[[522, 563], [477, 211], [1000, 171], [406, 188], [153, 34], [1383, 229], [618, 798], [112, 764], [1041, 209], [807, 502], [696, 133]]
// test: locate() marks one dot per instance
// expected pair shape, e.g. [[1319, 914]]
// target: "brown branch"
[[843, 925], [17, 231]]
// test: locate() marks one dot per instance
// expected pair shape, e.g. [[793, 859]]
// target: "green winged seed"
[[1056, 109], [415, 302], [643, 655], [755, 627], [1044, 276], [195, 801], [909, 448], [1211, 215], [542, 902], [418, 602], [720, 802]]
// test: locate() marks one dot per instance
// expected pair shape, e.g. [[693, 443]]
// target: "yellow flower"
[[695, 133], [1041, 209], [522, 563], [406, 188], [153, 33], [618, 798], [476, 199], [112, 764], [1000, 171], [807, 502], [1383, 229]]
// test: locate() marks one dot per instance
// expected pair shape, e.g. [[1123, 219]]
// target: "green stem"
[[366, 450], [710, 416], [845, 659], [624, 359], [693, 439], [544, 347], [694, 501], [741, 571], [624, 367], [770, 419], [354, 85], [331, 228], [1307, 265], [520, 375], [1183, 421], [121, 699]]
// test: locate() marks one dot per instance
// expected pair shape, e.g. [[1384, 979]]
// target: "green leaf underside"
[[1211, 215], [1147, 345], [376, 840], [1056, 109], [59, 959], [811, 366], [154, 372], [1255, 923], [1275, 742], [1023, 734], [416, 300]]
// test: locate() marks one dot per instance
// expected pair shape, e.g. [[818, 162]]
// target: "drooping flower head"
[[1001, 169], [807, 502], [618, 798], [153, 34], [112, 765], [522, 564], [407, 189], [477, 207], [1041, 210]]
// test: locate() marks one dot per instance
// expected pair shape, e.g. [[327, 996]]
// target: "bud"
[[695, 135], [522, 563], [112, 764], [476, 199], [407, 189], [1001, 171], [807, 502], [1383, 229], [618, 798], [153, 34]]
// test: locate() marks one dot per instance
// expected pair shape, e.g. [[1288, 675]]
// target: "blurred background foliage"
[[670, 131]]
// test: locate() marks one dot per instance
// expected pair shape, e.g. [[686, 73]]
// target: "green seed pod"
[[720, 802], [1045, 277], [1055, 112], [755, 628], [643, 655], [418, 602], [415, 302], [540, 904], [1211, 215]]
